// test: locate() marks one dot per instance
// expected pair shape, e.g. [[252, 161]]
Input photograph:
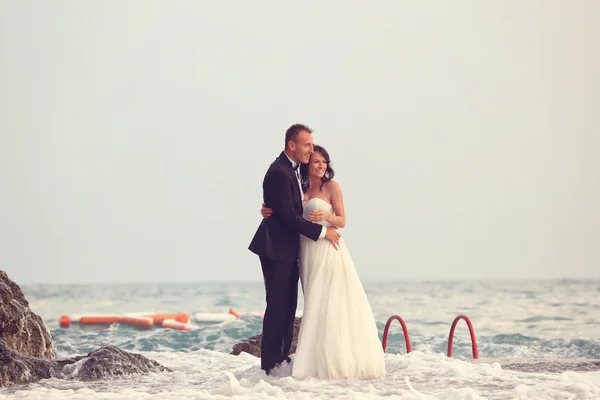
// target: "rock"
[[20, 328], [26, 351], [20, 368], [107, 361], [252, 344]]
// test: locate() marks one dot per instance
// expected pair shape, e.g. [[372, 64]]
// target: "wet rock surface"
[[20, 328], [252, 344], [105, 362]]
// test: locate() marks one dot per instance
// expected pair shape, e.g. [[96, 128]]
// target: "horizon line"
[[260, 281]]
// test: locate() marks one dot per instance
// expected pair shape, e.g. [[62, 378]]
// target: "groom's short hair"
[[293, 131]]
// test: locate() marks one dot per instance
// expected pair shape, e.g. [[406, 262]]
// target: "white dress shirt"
[[297, 172]]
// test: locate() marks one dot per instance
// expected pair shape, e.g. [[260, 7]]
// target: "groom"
[[277, 240]]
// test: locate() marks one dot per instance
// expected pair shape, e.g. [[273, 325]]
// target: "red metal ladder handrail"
[[471, 331], [404, 328]]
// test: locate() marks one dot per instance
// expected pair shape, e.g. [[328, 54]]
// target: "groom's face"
[[304, 146]]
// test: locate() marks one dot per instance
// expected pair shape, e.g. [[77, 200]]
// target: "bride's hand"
[[318, 216], [265, 211]]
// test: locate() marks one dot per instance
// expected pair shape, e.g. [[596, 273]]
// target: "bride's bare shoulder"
[[333, 187]]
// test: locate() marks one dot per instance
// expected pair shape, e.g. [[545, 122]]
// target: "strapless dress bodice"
[[316, 204]]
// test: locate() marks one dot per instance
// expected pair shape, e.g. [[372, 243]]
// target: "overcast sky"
[[135, 135]]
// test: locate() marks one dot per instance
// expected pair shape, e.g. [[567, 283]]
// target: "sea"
[[514, 322]]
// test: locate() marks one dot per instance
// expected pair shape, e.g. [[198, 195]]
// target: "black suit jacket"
[[277, 237]]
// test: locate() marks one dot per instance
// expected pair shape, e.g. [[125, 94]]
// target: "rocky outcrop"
[[20, 328], [26, 351], [106, 362], [20, 368], [252, 344]]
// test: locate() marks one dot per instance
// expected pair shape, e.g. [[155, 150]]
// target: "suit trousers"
[[281, 286]]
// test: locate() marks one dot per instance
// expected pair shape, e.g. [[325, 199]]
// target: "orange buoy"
[[159, 318], [181, 326], [87, 319], [141, 322], [234, 313], [64, 321], [98, 319], [185, 318]]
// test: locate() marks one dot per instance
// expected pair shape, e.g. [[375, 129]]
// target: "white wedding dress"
[[338, 336]]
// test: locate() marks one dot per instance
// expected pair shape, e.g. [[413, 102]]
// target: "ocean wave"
[[211, 375]]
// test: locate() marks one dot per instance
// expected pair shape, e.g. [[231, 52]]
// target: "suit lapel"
[[287, 166]]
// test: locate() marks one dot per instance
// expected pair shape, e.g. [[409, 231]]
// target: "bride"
[[338, 335]]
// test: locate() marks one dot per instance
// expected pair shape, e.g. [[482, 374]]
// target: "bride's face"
[[317, 165]]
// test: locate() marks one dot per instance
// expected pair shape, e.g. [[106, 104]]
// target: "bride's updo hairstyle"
[[329, 172]]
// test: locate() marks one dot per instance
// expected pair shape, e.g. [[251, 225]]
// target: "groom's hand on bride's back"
[[333, 236]]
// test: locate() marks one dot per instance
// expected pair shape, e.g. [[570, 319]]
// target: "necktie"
[[297, 172]]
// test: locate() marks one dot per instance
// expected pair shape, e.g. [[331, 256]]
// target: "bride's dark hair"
[[329, 172]]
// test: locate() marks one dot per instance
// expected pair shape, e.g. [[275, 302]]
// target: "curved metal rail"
[[471, 331], [404, 328]]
